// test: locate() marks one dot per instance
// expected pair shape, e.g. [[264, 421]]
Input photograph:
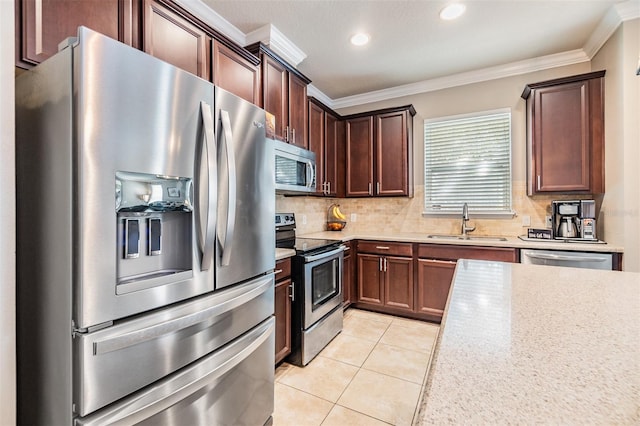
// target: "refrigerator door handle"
[[231, 190], [207, 240]]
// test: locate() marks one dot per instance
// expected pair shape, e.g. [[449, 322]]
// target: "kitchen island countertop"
[[536, 344], [513, 242]]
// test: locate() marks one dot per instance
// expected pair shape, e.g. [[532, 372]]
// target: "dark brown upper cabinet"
[[235, 73], [565, 135], [284, 94], [326, 140], [172, 38], [379, 153], [41, 25]]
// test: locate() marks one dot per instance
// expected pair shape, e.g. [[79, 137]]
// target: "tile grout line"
[[354, 376]]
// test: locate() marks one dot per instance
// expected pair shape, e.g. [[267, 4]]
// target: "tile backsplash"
[[401, 214]]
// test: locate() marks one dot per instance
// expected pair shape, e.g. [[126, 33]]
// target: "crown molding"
[[212, 18], [316, 93], [278, 42], [470, 77], [628, 10]]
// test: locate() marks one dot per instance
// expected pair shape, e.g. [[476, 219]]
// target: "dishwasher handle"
[[550, 256]]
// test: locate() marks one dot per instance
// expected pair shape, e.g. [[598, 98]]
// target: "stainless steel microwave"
[[295, 168]]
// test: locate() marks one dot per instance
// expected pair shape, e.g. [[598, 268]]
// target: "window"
[[467, 159]]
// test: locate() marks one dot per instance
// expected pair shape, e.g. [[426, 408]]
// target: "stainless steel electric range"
[[317, 290]]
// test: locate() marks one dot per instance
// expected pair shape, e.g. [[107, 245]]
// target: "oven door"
[[322, 284]]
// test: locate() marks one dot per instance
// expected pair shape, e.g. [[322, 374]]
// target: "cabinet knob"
[[370, 189]]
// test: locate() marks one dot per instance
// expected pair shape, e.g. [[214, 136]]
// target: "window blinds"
[[468, 160]]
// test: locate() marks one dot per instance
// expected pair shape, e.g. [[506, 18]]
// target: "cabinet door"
[[398, 282], [43, 24], [347, 279], [274, 94], [392, 155], [331, 154], [359, 157], [282, 313], [317, 145], [175, 40], [370, 285], [565, 135], [298, 112], [434, 282], [235, 74]]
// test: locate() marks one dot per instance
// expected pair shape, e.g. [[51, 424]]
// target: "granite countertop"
[[536, 344], [513, 242]]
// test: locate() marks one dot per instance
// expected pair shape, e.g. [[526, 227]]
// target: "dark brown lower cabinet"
[[434, 282], [385, 280], [413, 280], [282, 309], [348, 285], [436, 267]]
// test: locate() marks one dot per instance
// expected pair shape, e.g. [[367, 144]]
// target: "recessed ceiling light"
[[452, 11], [360, 39]]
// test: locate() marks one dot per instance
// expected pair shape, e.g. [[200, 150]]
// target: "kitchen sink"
[[468, 237]]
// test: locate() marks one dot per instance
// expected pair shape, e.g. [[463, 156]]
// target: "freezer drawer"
[[572, 259], [112, 363], [232, 386]]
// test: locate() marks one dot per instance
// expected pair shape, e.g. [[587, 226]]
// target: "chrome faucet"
[[465, 219]]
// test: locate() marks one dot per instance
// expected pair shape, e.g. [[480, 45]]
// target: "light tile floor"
[[370, 374]]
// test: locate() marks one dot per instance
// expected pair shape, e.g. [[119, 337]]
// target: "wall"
[[7, 217], [621, 203], [404, 214]]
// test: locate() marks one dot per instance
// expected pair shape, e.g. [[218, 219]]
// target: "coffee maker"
[[574, 220]]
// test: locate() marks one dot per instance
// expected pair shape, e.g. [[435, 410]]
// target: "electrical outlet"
[[354, 217], [526, 220], [304, 219]]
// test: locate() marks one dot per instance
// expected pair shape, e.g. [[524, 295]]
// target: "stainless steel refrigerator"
[[145, 255]]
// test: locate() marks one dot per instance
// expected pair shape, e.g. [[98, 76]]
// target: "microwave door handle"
[[231, 189], [207, 236], [311, 174]]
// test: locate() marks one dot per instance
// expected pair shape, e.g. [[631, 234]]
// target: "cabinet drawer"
[[385, 247], [452, 252], [283, 269]]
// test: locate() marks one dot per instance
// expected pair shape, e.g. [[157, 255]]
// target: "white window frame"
[[456, 209]]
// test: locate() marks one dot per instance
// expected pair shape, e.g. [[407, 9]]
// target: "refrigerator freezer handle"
[[231, 194], [207, 241]]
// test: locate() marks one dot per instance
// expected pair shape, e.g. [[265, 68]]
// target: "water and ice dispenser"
[[154, 215]]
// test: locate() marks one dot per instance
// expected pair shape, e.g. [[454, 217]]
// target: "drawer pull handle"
[[382, 247], [278, 271]]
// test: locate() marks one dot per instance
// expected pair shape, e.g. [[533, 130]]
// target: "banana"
[[334, 211]]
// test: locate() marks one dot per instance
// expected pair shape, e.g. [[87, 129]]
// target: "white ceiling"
[[411, 46]]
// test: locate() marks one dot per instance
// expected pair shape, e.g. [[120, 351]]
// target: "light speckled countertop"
[[514, 242], [536, 344], [283, 253]]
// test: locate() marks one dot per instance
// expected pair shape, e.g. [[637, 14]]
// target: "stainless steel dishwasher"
[[574, 259]]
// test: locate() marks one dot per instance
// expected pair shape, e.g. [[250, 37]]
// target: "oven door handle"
[[324, 255]]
